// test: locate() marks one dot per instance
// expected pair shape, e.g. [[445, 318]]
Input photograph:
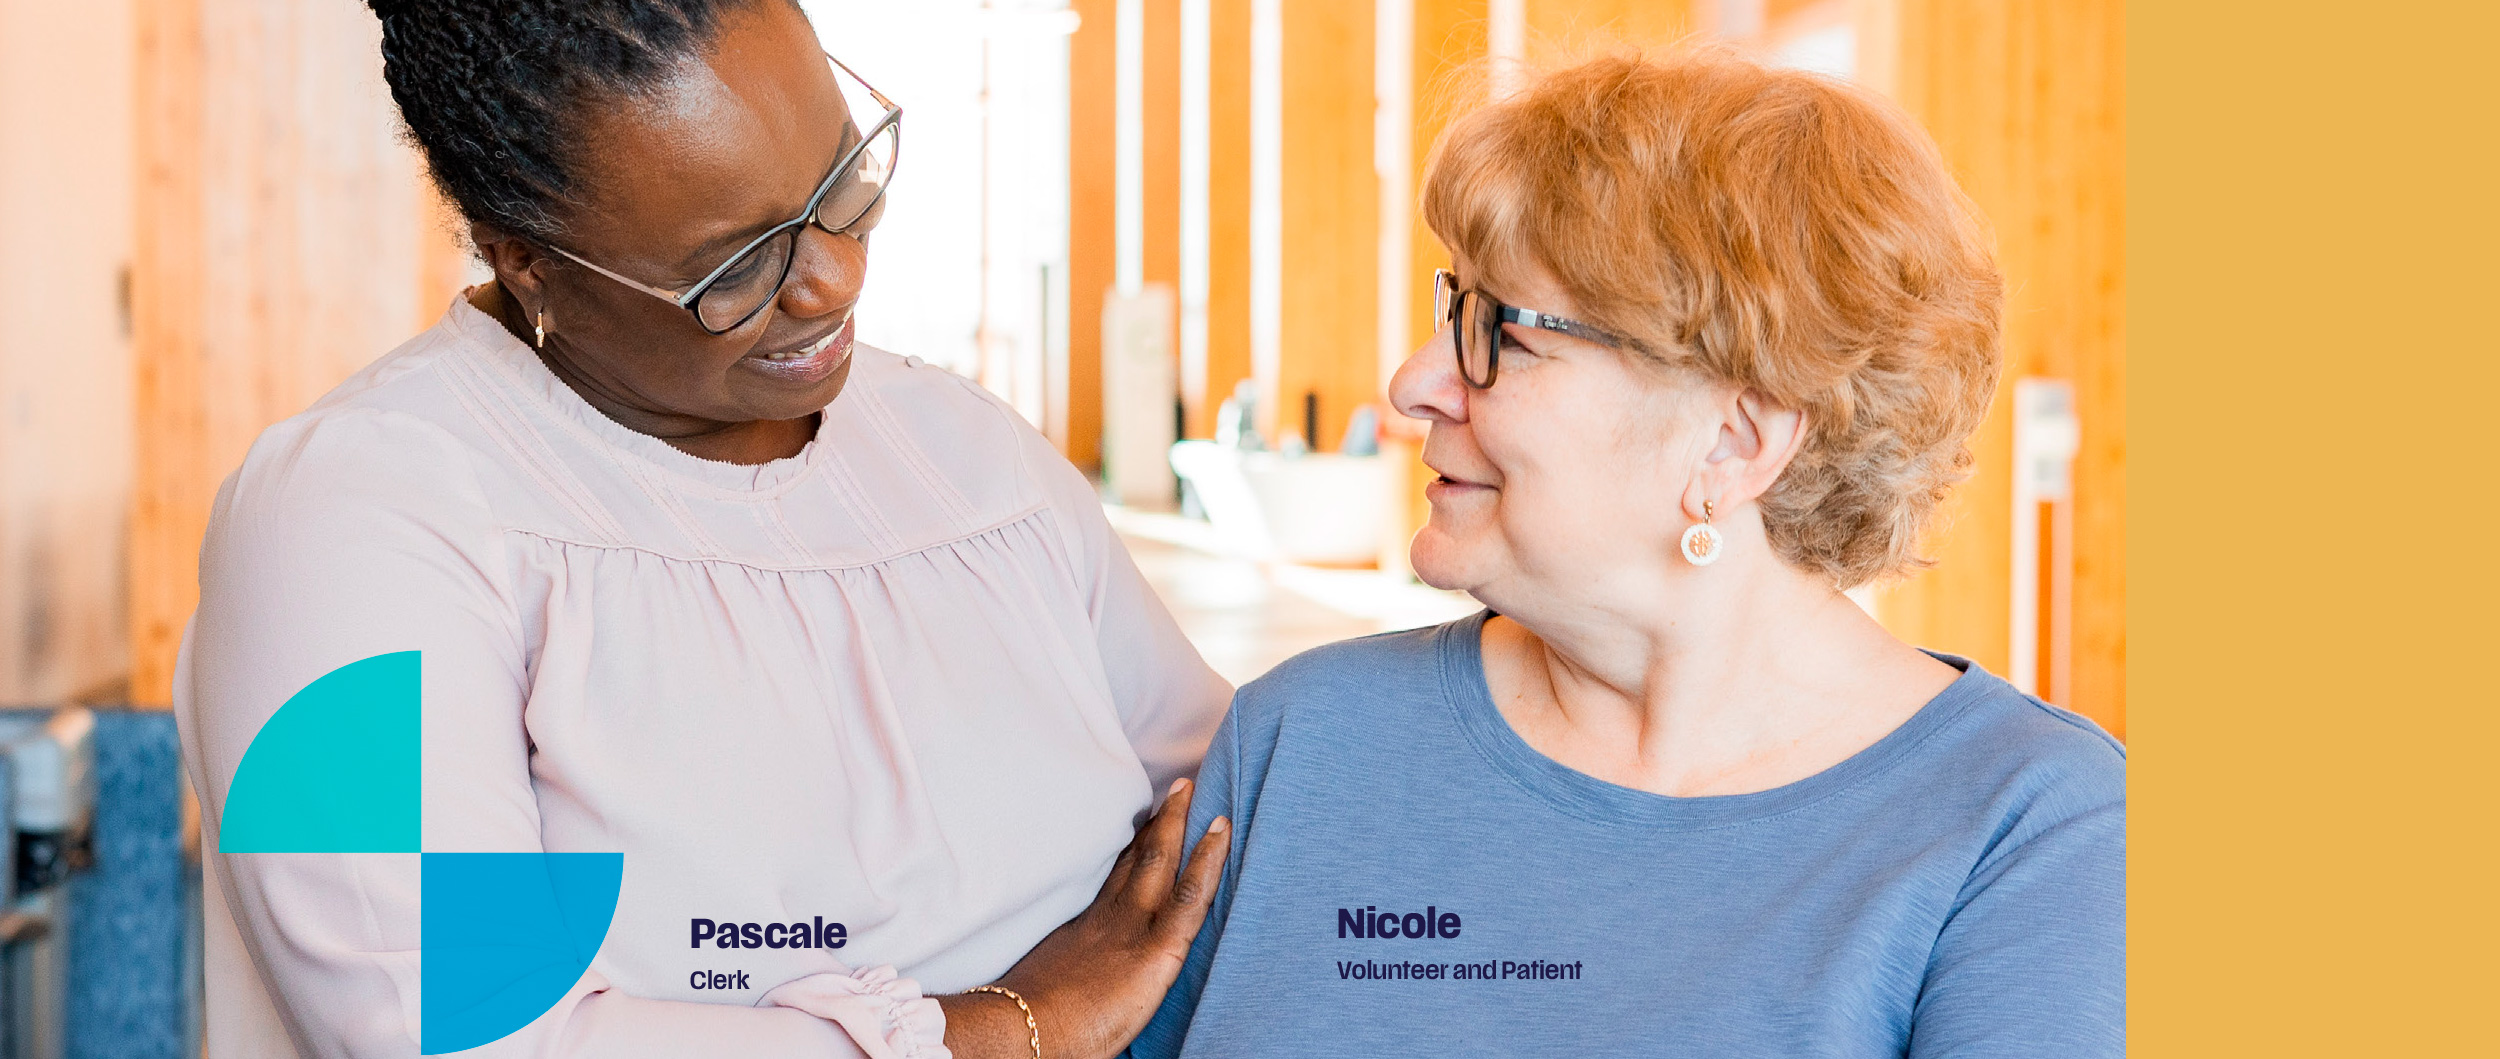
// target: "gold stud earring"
[[1702, 542], [541, 322]]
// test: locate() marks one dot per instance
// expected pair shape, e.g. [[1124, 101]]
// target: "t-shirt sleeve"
[[1220, 792], [358, 533], [2033, 962], [1169, 699]]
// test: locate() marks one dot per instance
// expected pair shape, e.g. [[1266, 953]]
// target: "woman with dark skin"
[[597, 147]]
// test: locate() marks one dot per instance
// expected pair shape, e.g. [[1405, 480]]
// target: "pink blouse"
[[906, 680]]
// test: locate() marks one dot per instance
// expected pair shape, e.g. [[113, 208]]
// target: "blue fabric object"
[[1957, 889], [126, 920]]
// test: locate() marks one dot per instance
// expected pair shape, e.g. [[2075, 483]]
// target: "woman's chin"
[[1439, 561], [784, 399]]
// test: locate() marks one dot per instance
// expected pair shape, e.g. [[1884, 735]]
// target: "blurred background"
[[1179, 236]]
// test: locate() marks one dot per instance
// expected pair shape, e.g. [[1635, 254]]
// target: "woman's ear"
[[514, 261], [1757, 439]]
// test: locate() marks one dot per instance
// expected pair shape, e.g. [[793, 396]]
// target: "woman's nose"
[[826, 275], [1427, 386]]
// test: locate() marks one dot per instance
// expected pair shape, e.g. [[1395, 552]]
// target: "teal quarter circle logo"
[[338, 770], [335, 769]]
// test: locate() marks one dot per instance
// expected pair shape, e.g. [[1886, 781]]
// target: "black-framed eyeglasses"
[[1476, 320], [850, 201]]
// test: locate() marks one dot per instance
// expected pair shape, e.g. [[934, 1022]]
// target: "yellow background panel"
[[2311, 233]]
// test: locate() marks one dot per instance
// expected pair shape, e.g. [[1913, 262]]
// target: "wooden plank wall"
[[65, 437], [1564, 29], [285, 238], [2027, 100]]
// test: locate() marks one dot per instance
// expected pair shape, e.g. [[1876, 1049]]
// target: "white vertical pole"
[[1738, 19], [1393, 155], [2046, 437], [1506, 42]]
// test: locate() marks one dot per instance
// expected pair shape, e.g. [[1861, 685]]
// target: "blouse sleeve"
[[1169, 699], [354, 533]]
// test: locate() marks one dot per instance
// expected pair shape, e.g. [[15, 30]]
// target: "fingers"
[[1158, 849], [1196, 888], [1124, 867]]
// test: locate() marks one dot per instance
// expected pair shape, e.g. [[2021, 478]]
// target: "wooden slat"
[[2095, 113], [65, 228], [446, 263], [1563, 29], [1162, 127], [284, 241], [1160, 121], [169, 504], [1329, 274]]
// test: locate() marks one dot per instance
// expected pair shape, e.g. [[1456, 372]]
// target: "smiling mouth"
[[813, 348]]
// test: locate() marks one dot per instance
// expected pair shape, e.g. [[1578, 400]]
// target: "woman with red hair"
[[1713, 344]]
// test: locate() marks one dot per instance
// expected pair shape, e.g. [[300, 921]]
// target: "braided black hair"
[[493, 90]]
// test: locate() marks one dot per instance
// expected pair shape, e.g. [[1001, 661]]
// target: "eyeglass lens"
[[1476, 330], [854, 205]]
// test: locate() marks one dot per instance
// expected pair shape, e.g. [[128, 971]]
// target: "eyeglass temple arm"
[[1445, 296], [673, 296], [1513, 314], [863, 83]]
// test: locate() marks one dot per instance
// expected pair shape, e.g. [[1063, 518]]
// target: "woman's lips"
[[1446, 488], [811, 364]]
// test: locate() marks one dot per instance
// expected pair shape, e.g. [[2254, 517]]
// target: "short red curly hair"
[[1769, 228]]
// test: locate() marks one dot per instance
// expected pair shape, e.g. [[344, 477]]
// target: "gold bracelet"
[[1030, 1026]]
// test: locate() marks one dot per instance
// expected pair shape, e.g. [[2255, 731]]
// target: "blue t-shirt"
[[1409, 878]]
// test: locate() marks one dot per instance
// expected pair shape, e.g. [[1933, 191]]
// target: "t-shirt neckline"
[[1461, 652]]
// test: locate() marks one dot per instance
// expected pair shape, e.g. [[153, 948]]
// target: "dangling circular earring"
[[541, 322], [1701, 540]]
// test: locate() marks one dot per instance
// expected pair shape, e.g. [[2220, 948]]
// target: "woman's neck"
[[752, 442], [1748, 677]]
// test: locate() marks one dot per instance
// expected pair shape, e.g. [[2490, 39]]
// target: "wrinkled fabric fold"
[[880, 1009]]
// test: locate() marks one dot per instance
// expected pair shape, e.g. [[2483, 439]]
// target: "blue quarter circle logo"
[[336, 770], [505, 935]]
